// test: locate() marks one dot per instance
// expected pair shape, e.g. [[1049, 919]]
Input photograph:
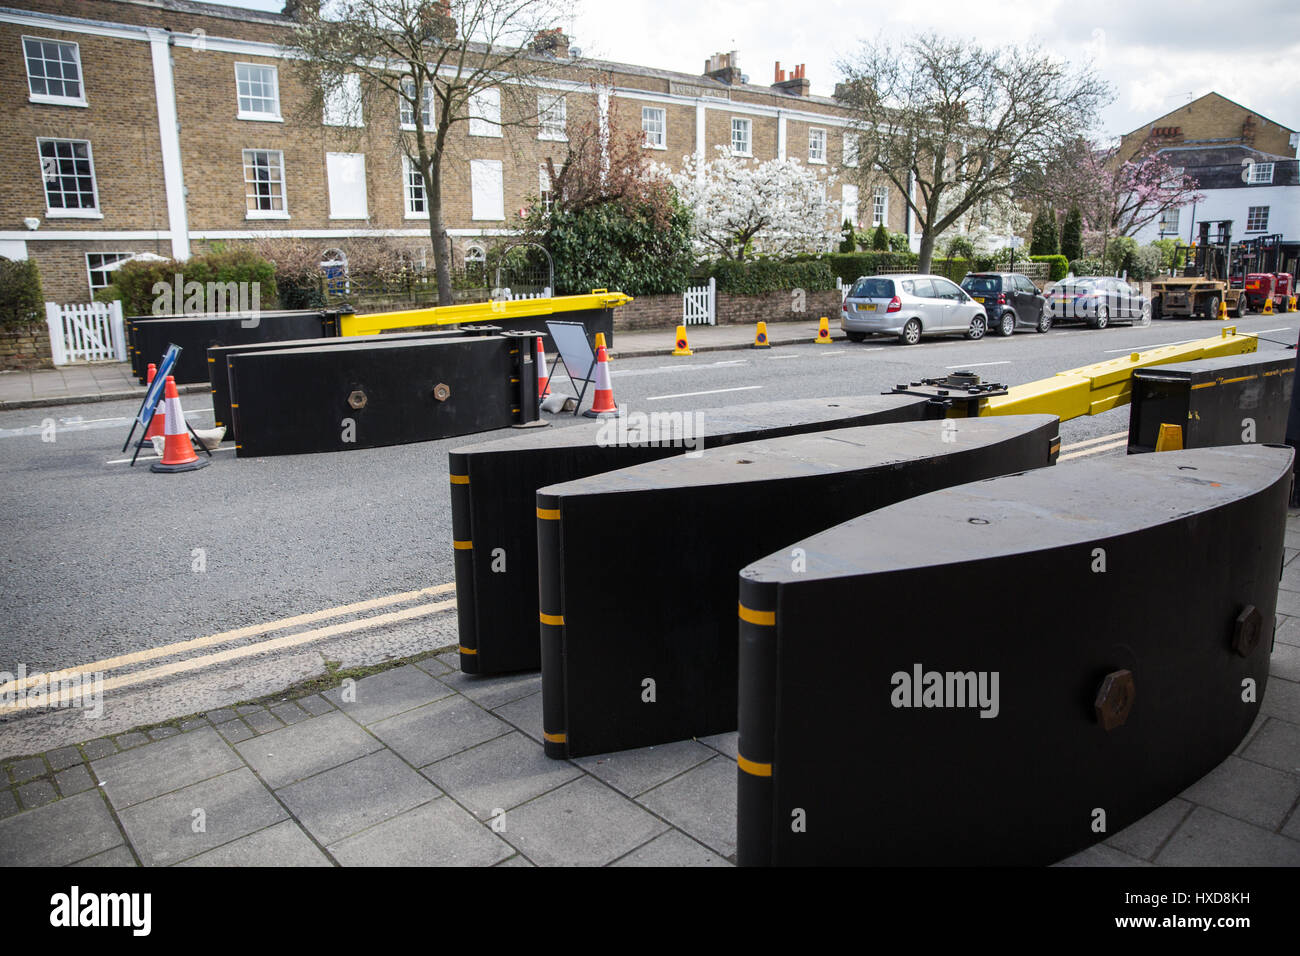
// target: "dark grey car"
[[1011, 301]]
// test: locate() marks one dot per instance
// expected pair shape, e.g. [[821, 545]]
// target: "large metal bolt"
[[1115, 699], [1246, 630], [442, 392], [357, 399]]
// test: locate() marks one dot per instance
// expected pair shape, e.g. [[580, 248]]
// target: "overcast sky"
[[1156, 55]]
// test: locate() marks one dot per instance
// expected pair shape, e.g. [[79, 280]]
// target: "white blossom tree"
[[743, 207]]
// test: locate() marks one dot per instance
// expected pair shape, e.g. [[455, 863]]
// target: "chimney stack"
[[552, 42], [796, 85], [724, 67]]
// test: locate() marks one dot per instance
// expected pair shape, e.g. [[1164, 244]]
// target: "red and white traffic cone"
[[155, 429], [543, 376], [602, 406], [178, 452]]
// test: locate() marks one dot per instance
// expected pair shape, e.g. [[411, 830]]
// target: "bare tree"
[[961, 124], [435, 58]]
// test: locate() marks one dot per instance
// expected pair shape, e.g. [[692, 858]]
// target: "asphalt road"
[[101, 560]]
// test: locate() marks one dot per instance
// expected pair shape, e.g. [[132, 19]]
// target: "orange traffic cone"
[[823, 332], [602, 406], [543, 376], [760, 337], [600, 341], [178, 453], [156, 423], [682, 345]]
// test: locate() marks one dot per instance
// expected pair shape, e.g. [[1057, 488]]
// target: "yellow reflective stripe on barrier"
[[463, 545], [556, 738], [473, 312], [752, 768], [469, 651], [460, 479], [765, 618], [555, 620], [549, 514]]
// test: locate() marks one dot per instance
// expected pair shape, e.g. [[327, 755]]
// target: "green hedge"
[[21, 301], [1059, 266], [757, 276], [134, 281], [610, 247], [848, 266]]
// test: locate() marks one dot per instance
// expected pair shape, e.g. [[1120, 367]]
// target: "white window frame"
[[816, 156], [880, 206], [738, 123], [477, 169], [1251, 213], [34, 97], [646, 115], [256, 115], [409, 172], [283, 211], [90, 280], [850, 150], [480, 259], [485, 113], [342, 105], [404, 110], [84, 212], [1169, 222], [330, 184], [552, 118], [1261, 174]]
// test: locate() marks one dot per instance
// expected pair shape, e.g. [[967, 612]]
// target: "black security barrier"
[[1006, 672], [493, 501], [219, 371], [148, 336], [654, 659], [1233, 400], [371, 394]]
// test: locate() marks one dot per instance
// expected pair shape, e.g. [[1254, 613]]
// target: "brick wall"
[[25, 346], [665, 311]]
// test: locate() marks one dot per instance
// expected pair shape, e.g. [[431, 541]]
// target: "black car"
[[1099, 301], [1010, 299]]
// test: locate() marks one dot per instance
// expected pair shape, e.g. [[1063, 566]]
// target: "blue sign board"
[[159, 381]]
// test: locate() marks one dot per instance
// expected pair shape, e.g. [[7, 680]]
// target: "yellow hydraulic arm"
[[1094, 389], [486, 312]]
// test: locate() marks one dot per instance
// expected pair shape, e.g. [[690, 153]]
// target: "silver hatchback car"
[[910, 306]]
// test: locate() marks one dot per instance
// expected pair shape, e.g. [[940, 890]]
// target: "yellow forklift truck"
[[1204, 284]]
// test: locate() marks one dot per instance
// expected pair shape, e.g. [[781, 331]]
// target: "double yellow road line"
[[52, 679]]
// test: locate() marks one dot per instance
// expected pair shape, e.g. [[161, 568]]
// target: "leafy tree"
[[434, 57], [848, 238], [1044, 236], [962, 123], [778, 207], [880, 239], [1072, 234]]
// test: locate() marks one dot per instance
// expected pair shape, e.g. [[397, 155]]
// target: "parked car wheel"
[[1101, 319], [1007, 324], [856, 336], [1211, 307], [1044, 320], [1145, 318], [978, 326], [911, 332]]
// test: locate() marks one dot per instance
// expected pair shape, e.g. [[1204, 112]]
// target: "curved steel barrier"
[[638, 566], [1009, 671]]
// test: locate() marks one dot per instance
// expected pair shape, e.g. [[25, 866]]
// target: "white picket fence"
[[700, 304], [506, 295], [86, 332]]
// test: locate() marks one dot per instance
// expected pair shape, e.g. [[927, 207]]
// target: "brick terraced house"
[[165, 126]]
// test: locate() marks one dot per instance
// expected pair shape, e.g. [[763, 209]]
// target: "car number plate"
[[869, 307], [978, 298]]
